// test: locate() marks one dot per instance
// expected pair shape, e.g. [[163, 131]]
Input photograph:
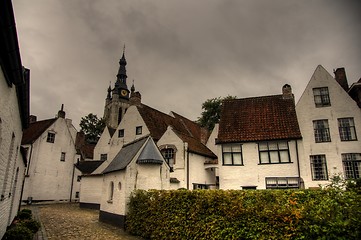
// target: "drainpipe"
[[72, 183], [187, 162], [298, 163], [31, 154]]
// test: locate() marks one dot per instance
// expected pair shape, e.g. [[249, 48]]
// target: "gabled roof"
[[125, 155], [189, 131], [195, 146], [35, 129], [258, 119], [87, 167]]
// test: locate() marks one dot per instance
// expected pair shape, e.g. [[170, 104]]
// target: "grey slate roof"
[[125, 155], [150, 154]]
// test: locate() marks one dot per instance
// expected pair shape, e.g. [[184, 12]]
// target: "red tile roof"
[[35, 129], [258, 119], [189, 131]]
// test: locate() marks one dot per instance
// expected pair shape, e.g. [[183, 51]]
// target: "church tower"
[[117, 101]]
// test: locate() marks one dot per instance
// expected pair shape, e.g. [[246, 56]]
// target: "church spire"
[[121, 87]]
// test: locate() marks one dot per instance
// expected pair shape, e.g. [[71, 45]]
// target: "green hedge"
[[232, 214]]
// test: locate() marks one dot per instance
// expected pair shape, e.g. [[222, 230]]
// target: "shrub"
[[31, 224], [18, 232], [24, 214], [331, 213]]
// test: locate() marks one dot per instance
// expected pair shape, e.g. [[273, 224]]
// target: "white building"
[[51, 154], [257, 143], [138, 165], [330, 123], [14, 114]]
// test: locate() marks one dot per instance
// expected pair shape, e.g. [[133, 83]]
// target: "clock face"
[[124, 92]]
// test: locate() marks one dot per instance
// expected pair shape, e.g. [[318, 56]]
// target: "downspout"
[[298, 164], [31, 154], [72, 183], [187, 161]]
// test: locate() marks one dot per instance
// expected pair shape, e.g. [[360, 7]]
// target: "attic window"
[[120, 133], [62, 156], [138, 130], [103, 156], [169, 156], [321, 96], [51, 137]]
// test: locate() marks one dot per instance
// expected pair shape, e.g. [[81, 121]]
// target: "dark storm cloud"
[[180, 53]]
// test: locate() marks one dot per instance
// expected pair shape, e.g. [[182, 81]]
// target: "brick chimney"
[[287, 92], [32, 118], [61, 113], [340, 76]]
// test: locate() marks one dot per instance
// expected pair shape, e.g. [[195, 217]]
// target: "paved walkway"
[[68, 221]]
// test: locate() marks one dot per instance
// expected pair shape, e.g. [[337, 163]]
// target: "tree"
[[212, 112], [92, 127]]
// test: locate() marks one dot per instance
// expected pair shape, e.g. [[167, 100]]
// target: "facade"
[[50, 147], [257, 143], [14, 114], [138, 165], [330, 122]]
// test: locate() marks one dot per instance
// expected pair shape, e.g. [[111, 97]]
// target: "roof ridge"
[[266, 96], [136, 140]]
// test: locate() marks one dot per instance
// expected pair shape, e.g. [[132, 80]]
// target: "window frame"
[[62, 156], [50, 137], [353, 160], [321, 134], [232, 154], [324, 97], [102, 158], [315, 173], [166, 155], [278, 150], [121, 133], [138, 130], [345, 131]]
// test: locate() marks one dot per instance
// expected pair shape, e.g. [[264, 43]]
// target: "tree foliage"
[[92, 126], [212, 112]]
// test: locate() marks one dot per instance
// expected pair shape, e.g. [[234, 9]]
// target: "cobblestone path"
[[68, 221]]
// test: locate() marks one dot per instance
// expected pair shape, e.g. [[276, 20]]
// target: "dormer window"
[[51, 137], [322, 97], [169, 156]]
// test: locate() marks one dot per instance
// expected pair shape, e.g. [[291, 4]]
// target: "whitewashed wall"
[[342, 106], [91, 189], [253, 173], [46, 169], [10, 157]]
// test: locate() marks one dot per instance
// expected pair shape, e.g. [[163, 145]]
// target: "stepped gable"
[[35, 129], [258, 119], [87, 167], [195, 146]]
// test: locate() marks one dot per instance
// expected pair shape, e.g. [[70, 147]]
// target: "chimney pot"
[[287, 92], [340, 76]]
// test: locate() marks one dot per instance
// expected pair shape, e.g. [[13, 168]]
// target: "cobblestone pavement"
[[68, 221]]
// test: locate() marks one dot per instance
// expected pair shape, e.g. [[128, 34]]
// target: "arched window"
[[111, 192]]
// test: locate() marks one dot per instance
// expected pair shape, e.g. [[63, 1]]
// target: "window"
[[201, 186], [351, 165], [169, 156], [120, 133], [103, 156], [78, 178], [62, 157], [111, 192], [138, 130], [77, 194], [282, 182], [249, 187], [321, 96], [346, 127], [232, 154], [319, 167], [273, 152], [322, 131], [51, 137]]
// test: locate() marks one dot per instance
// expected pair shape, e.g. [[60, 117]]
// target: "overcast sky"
[[180, 53]]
